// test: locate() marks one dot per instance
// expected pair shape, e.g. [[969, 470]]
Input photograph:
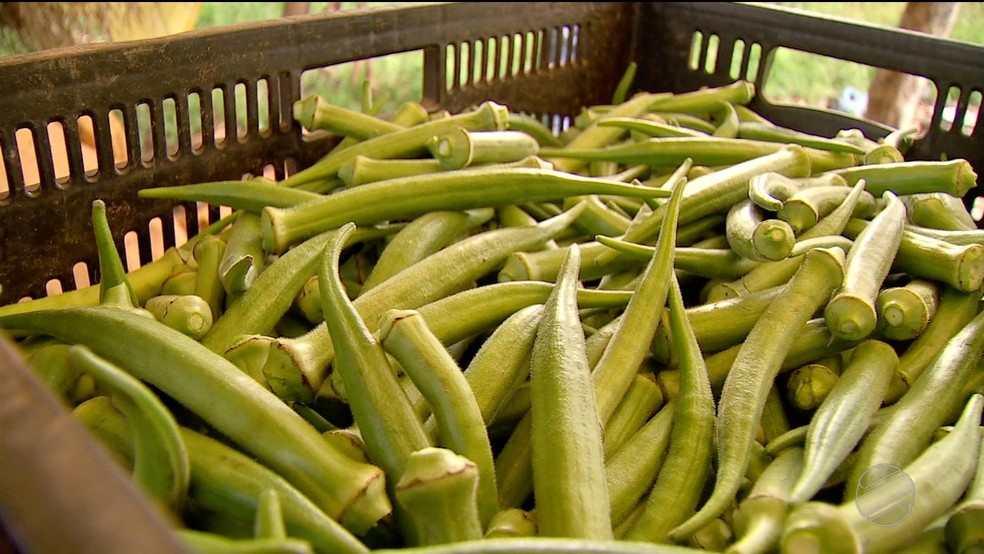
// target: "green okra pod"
[[753, 373], [641, 402], [114, 286], [314, 113], [533, 127], [851, 314], [49, 360], [251, 195], [939, 210], [759, 131], [363, 169], [937, 478], [954, 236], [403, 143], [954, 177], [960, 266], [613, 373], [438, 491], [843, 417], [633, 468], [461, 428], [501, 364], [962, 529], [204, 542], [649, 126], [422, 237], [208, 283], [380, 408], [723, 263], [219, 393], [758, 520], [807, 207], [480, 187], [160, 459], [901, 437], [770, 190], [752, 234], [566, 439], [269, 522], [680, 483]]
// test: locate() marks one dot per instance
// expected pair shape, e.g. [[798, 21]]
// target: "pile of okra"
[[675, 326]]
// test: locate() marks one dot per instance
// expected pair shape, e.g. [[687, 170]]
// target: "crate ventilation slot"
[[958, 111], [492, 59], [709, 51]]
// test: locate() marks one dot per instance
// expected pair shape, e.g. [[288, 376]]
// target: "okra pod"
[[459, 148], [243, 259], [679, 485], [850, 314], [784, 135], [844, 416], [904, 311], [921, 411], [954, 177], [757, 237], [633, 468], [807, 207], [937, 479], [251, 195], [566, 438], [220, 393], [962, 529], [380, 408], [512, 522], [810, 384], [753, 372], [160, 459], [461, 429], [641, 402], [770, 190], [403, 143], [937, 210], [481, 187], [758, 521]]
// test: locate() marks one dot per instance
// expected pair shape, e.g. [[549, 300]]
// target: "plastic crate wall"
[[579, 51]]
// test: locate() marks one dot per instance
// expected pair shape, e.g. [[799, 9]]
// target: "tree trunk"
[[893, 97], [296, 8]]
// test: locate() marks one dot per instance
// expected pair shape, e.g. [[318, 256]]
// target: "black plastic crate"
[[579, 52]]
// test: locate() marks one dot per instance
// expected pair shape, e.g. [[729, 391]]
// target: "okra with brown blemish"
[[753, 373]]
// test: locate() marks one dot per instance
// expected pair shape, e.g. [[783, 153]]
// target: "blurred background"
[[795, 77]]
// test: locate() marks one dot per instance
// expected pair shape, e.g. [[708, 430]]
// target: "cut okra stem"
[[314, 113], [243, 258], [188, 313], [438, 492], [807, 207], [512, 522], [904, 311], [810, 384], [770, 190], [459, 148], [753, 235]]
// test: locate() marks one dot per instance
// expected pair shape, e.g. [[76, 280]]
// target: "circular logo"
[[885, 495]]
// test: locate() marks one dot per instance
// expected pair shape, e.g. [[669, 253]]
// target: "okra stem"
[[243, 259], [438, 491], [459, 148], [753, 235], [905, 311], [188, 313]]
